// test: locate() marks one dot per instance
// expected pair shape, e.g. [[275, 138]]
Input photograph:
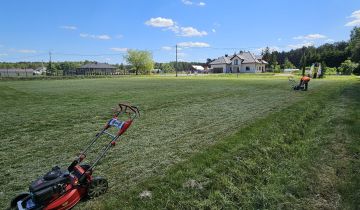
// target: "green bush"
[[330, 71], [347, 67]]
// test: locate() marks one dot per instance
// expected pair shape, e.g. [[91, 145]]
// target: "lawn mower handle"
[[124, 108]]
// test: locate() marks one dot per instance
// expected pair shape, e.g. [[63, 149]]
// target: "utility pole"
[[176, 64], [50, 68], [303, 61]]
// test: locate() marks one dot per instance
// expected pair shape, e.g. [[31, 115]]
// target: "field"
[[201, 142]]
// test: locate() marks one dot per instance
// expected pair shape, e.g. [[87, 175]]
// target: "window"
[[248, 68], [236, 62]]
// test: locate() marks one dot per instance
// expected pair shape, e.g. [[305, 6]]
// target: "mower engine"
[[51, 185]]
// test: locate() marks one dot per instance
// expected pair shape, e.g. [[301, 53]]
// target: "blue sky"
[[104, 30]]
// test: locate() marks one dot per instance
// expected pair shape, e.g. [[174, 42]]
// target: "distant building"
[[244, 62], [40, 71], [221, 65], [96, 68], [16, 72], [198, 69]]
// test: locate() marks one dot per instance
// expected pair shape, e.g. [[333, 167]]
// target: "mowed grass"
[[202, 142]]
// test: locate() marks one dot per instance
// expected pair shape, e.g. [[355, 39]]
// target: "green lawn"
[[214, 141]]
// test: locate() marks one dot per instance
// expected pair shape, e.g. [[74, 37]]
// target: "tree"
[[266, 54], [357, 70], [208, 61], [50, 69], [288, 64], [347, 67], [167, 68], [141, 61], [354, 44], [273, 62], [303, 61]]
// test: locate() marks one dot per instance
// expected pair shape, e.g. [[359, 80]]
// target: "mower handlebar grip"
[[124, 109]]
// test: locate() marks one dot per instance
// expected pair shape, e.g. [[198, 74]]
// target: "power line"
[[95, 55]]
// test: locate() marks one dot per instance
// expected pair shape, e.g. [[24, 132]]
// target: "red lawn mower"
[[63, 189]]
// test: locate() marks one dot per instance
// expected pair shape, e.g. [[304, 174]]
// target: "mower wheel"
[[13, 204], [97, 187]]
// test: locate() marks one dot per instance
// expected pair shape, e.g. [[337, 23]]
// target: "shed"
[[96, 68]]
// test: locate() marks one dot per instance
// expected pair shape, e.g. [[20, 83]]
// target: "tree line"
[[139, 62], [340, 57]]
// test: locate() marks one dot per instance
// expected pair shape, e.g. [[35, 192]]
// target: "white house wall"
[[252, 67], [260, 68], [225, 67], [242, 67]]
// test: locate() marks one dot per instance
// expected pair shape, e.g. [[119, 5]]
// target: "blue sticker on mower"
[[116, 123]]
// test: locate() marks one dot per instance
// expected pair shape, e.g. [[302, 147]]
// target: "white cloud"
[[167, 48], [84, 35], [92, 36], [160, 22], [279, 39], [24, 51], [3, 54], [174, 28], [181, 54], [272, 49], [297, 46], [311, 37], [330, 40], [193, 44], [104, 37], [213, 30], [355, 22], [190, 32], [119, 36], [356, 16], [69, 27], [216, 24], [119, 49], [169, 24], [201, 4], [187, 2]]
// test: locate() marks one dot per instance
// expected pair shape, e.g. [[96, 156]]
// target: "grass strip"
[[269, 164]]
